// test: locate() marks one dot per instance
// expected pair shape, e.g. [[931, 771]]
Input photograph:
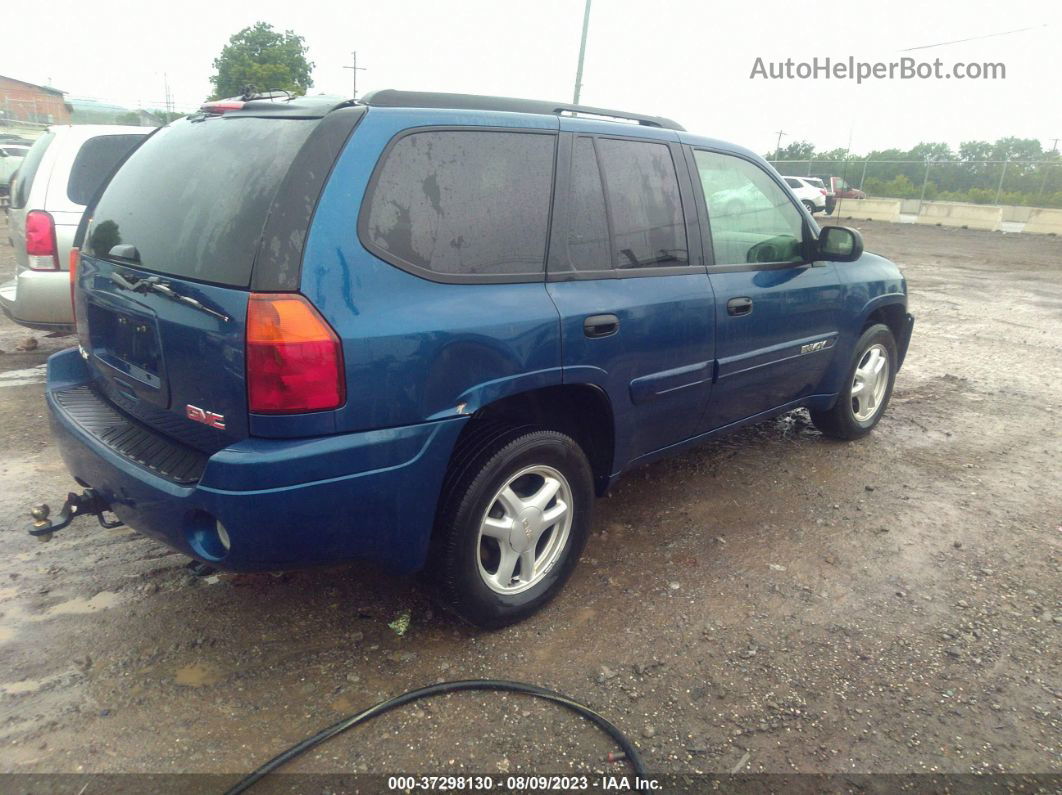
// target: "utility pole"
[[778, 146], [582, 54], [354, 69], [166, 93]]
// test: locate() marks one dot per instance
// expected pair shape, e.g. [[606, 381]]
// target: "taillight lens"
[[221, 106], [294, 359], [823, 192], [40, 241]]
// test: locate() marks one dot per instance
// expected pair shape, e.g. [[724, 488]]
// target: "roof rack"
[[391, 98]]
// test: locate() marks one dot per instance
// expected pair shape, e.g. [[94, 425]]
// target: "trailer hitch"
[[87, 502]]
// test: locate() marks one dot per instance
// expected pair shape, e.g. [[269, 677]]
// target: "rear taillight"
[[823, 192], [294, 359], [40, 241]]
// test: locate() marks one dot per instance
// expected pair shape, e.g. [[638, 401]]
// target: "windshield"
[[193, 199]]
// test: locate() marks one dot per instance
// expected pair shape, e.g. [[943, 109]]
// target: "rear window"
[[96, 158], [194, 198], [27, 170]]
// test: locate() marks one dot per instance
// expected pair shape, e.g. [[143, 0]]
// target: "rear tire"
[[810, 205], [867, 387], [512, 526]]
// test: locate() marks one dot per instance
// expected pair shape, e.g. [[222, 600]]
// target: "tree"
[[264, 58]]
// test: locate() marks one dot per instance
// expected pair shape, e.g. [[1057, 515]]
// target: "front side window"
[[641, 186], [464, 202], [751, 218]]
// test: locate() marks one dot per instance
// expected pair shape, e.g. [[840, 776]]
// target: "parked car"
[[426, 329], [811, 196], [10, 158], [831, 198], [58, 176], [841, 188]]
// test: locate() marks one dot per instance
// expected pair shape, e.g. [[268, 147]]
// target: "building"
[[26, 102]]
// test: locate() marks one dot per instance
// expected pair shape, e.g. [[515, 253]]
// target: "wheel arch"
[[582, 411]]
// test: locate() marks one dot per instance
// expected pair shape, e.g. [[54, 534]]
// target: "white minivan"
[[58, 176]]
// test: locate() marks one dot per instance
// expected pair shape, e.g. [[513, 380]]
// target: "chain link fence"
[[1031, 183]]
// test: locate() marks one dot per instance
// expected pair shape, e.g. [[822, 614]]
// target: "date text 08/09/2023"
[[617, 783]]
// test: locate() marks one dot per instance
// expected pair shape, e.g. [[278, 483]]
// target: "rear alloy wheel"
[[868, 387], [810, 205], [512, 527]]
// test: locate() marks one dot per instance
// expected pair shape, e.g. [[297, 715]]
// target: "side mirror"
[[840, 244]]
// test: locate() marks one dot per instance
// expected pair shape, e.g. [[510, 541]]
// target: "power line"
[[974, 38]]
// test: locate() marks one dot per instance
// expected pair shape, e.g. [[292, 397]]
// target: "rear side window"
[[463, 203], [27, 170], [644, 204], [588, 240], [95, 160], [193, 199]]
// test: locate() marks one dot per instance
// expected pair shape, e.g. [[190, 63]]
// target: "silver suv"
[[58, 176]]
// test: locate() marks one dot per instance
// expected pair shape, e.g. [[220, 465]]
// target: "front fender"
[[872, 283]]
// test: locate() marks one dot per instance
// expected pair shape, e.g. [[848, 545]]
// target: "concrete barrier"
[[961, 214], [868, 209], [995, 218], [1044, 222]]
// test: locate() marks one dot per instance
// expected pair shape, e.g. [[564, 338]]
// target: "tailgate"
[[166, 270], [168, 351]]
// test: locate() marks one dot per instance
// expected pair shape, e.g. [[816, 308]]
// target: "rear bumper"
[[284, 503], [39, 299]]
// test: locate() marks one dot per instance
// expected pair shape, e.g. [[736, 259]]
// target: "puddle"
[[29, 375], [27, 685], [80, 606], [197, 675]]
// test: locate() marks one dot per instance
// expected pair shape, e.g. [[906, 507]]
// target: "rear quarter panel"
[[417, 350]]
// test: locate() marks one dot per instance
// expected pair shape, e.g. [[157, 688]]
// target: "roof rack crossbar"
[[390, 98]]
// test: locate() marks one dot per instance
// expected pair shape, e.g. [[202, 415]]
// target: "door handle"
[[739, 306], [601, 325]]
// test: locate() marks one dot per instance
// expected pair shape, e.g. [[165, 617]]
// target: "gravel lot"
[[772, 602]]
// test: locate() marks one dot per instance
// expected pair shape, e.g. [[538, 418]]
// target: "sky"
[[689, 60]]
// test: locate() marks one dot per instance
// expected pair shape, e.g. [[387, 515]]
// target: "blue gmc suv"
[[427, 329]]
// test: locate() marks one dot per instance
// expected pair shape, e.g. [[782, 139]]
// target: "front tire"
[[512, 527], [868, 387]]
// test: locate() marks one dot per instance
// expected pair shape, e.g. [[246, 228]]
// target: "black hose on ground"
[[435, 690]]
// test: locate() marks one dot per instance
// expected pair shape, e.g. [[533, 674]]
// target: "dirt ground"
[[772, 602]]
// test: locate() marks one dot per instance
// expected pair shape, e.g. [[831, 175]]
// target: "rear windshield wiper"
[[155, 285]]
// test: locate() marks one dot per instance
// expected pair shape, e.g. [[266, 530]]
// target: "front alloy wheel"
[[868, 386], [870, 382]]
